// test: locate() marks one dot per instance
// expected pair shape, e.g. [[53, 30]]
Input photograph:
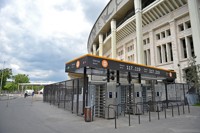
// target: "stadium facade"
[[160, 33]]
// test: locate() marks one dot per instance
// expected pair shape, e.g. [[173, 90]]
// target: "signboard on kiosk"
[[97, 62]]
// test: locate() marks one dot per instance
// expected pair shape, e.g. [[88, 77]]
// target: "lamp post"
[[2, 77]]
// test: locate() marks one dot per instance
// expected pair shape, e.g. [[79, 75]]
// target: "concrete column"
[[139, 45], [94, 46], [195, 22], [113, 39], [100, 45], [148, 58], [176, 52], [124, 49], [135, 53], [168, 52], [162, 54], [152, 48], [187, 48]]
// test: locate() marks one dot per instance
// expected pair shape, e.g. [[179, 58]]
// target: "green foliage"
[[10, 86], [21, 78], [192, 73], [197, 104], [4, 75]]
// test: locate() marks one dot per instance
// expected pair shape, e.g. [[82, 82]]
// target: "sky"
[[37, 37]]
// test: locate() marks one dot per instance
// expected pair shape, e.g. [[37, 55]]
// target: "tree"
[[21, 78], [4, 75], [192, 73], [10, 86]]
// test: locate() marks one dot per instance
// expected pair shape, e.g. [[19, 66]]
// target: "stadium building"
[[160, 33]]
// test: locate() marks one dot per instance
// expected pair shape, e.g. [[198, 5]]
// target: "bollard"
[[149, 116], [188, 108], [172, 111], [117, 111], [108, 110], [115, 121], [93, 113], [178, 110], [158, 113], [124, 110], [139, 118], [165, 114], [183, 109], [129, 118]]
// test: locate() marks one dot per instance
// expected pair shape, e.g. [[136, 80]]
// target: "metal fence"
[[66, 94], [177, 91]]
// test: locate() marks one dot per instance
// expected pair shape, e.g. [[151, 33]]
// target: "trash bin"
[[88, 114]]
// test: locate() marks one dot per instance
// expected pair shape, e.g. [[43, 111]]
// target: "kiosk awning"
[[99, 65]]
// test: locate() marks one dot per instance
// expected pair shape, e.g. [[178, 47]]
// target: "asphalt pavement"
[[32, 115]]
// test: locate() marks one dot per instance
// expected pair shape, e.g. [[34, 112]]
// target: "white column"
[[139, 45], [149, 58], [168, 52], [100, 45], [94, 46], [195, 24], [152, 48], [113, 39], [124, 49], [135, 53], [162, 54], [175, 51], [187, 48]]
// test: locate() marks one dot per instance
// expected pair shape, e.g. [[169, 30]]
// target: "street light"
[[2, 77]]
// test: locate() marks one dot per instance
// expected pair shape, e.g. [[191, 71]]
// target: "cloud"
[[38, 37]]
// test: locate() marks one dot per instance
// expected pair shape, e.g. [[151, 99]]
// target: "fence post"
[[178, 109], [183, 109], [158, 113], [129, 117], [115, 121], [188, 108], [139, 118], [149, 115]]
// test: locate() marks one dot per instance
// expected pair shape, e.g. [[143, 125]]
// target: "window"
[[157, 94], [138, 94], [148, 40], [183, 48], [149, 56], [187, 25], [165, 52], [110, 95], [120, 52], [159, 54], [170, 51], [131, 58], [131, 47], [163, 34], [181, 27], [168, 32], [158, 36], [144, 42], [145, 57], [190, 40]]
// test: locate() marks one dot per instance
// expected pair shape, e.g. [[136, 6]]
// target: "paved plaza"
[[27, 115]]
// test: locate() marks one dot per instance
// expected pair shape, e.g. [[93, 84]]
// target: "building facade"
[[160, 33]]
